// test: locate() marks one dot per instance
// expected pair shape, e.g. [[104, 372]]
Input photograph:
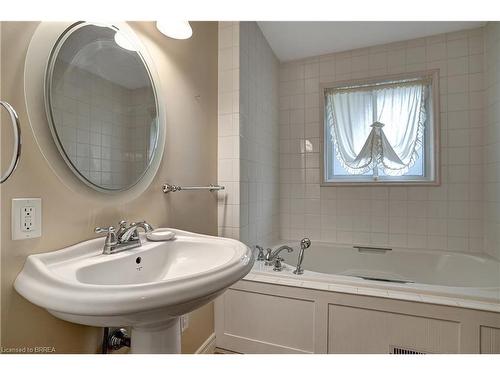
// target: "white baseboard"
[[208, 347]]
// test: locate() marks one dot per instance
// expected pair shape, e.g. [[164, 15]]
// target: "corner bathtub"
[[430, 302]]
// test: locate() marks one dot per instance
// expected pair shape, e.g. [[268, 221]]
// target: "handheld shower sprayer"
[[304, 244]]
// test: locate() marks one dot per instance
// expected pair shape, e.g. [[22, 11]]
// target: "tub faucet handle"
[[278, 265], [268, 254], [267, 257], [260, 255]]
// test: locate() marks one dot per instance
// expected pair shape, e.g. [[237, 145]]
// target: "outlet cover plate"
[[26, 218]]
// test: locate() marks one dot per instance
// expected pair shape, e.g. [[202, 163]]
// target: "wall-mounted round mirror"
[[102, 106]]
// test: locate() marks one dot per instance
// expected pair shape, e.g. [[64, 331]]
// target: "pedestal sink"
[[147, 288]]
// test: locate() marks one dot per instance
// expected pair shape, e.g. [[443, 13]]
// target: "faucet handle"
[[260, 255], [135, 233], [110, 240], [121, 229], [267, 257], [268, 252], [278, 266], [104, 230]]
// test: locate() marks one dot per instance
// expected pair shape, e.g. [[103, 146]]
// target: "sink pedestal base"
[[164, 338]]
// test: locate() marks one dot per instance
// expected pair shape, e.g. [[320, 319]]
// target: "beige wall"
[[188, 71]]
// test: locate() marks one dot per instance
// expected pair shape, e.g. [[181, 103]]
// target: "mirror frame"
[[41, 46], [49, 74]]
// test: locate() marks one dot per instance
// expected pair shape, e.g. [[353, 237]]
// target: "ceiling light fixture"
[[175, 29], [123, 42]]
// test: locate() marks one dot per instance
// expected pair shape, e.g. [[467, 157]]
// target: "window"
[[381, 131]]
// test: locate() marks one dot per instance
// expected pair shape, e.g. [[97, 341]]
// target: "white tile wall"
[[446, 217], [461, 215], [248, 160], [492, 139], [229, 130], [259, 138]]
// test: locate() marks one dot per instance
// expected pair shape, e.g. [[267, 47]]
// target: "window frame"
[[432, 138]]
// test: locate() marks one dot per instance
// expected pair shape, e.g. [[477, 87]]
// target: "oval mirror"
[[102, 106]]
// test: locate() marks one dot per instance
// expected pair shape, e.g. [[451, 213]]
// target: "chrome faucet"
[[278, 265], [272, 255], [110, 242], [122, 228], [132, 233], [304, 244], [125, 238], [260, 255]]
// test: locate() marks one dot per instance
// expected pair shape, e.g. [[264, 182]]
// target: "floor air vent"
[[399, 350]]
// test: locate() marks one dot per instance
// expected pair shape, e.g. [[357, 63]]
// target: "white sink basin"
[[146, 288]]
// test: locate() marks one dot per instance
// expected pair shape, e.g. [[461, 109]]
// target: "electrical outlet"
[[27, 214], [184, 322], [26, 218]]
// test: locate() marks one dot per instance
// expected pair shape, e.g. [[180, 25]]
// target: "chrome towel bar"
[[168, 188], [16, 154]]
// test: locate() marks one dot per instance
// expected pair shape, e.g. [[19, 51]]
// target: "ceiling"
[[296, 40]]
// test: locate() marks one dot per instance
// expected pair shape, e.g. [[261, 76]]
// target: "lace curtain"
[[377, 128]]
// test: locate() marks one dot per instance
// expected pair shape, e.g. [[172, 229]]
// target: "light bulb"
[[175, 29], [123, 42]]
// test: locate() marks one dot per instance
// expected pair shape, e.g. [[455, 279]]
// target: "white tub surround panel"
[[446, 217], [340, 321]]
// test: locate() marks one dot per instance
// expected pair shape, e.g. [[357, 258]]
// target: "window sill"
[[381, 183]]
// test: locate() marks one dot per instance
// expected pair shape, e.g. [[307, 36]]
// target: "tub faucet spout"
[[304, 244], [272, 254]]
